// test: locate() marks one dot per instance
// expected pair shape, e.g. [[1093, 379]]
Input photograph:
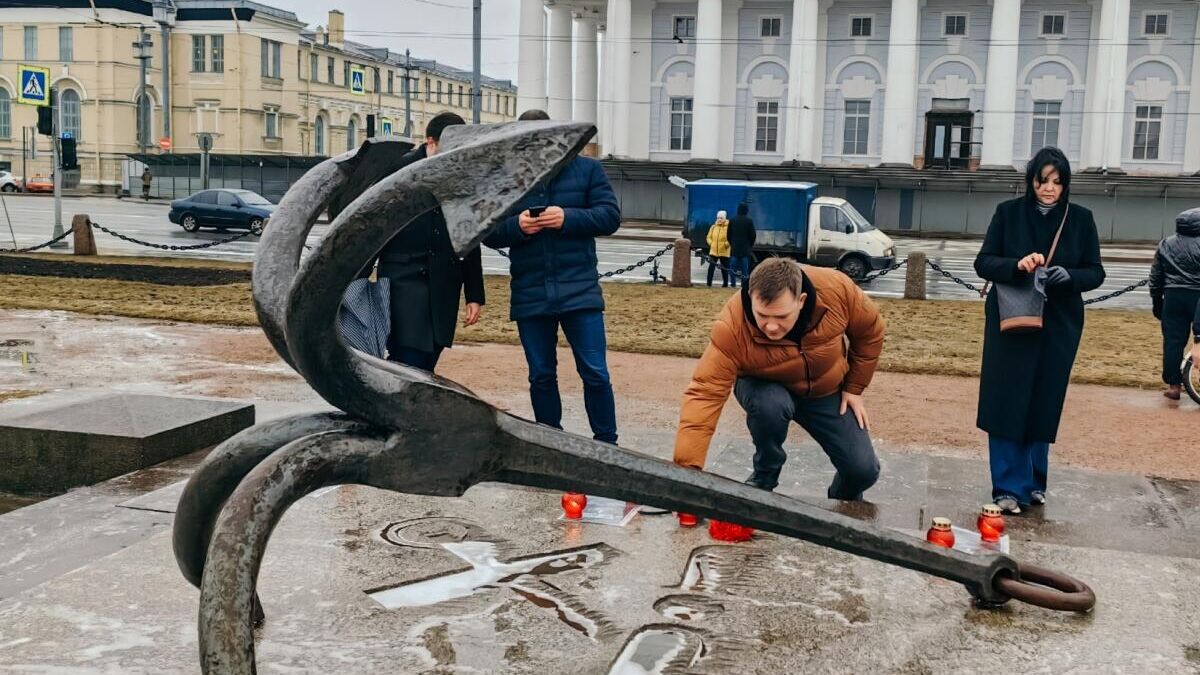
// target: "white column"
[[727, 118], [706, 97], [1114, 123], [640, 65], [558, 61], [602, 95], [586, 74], [1000, 87], [531, 57], [801, 139], [1191, 142], [619, 54], [900, 98]]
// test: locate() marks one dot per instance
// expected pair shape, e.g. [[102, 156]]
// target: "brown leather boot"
[[1172, 391]]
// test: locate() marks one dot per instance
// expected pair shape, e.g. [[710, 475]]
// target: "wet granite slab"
[[82, 441], [494, 582]]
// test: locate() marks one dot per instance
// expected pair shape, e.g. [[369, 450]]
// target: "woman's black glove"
[[1156, 305], [1057, 276]]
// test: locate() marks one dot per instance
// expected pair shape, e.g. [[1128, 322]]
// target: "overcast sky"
[[432, 29]]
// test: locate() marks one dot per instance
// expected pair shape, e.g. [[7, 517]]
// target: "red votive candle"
[[723, 531], [990, 523], [940, 533], [687, 520], [573, 504]]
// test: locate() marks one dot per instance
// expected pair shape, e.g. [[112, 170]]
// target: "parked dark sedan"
[[222, 209]]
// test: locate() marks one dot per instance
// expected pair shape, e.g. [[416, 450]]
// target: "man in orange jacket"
[[796, 344]]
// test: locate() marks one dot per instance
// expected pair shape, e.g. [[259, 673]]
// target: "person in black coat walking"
[[427, 277], [741, 241], [1023, 381], [1175, 291]]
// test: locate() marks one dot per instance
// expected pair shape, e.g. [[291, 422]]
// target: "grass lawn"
[[1119, 347]]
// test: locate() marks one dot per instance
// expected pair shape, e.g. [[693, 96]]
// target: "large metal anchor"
[[403, 429]]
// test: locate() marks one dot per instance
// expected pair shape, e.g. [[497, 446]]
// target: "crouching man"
[[797, 344]]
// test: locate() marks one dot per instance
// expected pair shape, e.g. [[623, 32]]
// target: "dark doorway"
[[948, 139]]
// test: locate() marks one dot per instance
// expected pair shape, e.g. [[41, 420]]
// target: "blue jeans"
[[585, 334], [1018, 468], [741, 265]]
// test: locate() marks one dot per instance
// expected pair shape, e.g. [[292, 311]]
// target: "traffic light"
[[69, 161], [45, 124]]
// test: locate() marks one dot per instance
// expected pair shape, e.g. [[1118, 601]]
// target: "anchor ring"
[[1046, 588]]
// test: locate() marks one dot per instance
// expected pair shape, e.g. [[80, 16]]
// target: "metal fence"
[[178, 175]]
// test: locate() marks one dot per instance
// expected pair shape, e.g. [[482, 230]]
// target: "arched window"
[[5, 113], [72, 113], [351, 134], [145, 118], [319, 137]]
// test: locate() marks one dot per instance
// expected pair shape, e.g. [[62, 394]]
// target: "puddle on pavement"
[[688, 607], [433, 532], [658, 650], [522, 575]]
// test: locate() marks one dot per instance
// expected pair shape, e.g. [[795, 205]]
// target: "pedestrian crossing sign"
[[387, 127], [358, 80], [34, 89]]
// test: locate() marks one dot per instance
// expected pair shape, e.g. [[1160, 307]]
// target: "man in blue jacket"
[[554, 282]]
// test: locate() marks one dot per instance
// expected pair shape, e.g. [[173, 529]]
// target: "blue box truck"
[[791, 220]]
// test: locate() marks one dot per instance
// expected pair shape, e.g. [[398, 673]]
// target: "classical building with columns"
[[917, 84]]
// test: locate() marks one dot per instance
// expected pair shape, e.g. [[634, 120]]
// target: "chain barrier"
[[1089, 301], [958, 280], [1123, 291], [709, 260], [654, 274], [895, 266], [31, 249], [171, 247]]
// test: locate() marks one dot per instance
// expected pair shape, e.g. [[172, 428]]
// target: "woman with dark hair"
[[1024, 377]]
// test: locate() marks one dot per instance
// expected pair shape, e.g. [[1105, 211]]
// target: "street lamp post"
[[477, 98]]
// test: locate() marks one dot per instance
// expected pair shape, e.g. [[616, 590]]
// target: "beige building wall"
[[233, 104]]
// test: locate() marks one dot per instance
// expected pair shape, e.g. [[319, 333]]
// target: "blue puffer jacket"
[[554, 271]]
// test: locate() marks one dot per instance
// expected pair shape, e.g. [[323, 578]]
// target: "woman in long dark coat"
[[1024, 377]]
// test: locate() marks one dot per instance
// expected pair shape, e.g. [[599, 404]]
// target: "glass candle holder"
[[940, 533], [573, 504]]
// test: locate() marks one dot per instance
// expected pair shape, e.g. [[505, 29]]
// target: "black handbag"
[[1021, 304]]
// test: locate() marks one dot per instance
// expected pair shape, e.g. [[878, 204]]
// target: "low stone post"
[[914, 276], [681, 264], [85, 239]]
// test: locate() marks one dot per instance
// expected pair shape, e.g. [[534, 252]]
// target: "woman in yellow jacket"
[[719, 249]]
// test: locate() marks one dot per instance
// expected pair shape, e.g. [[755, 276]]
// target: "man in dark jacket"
[[554, 281], [427, 277], [741, 242], [1175, 290]]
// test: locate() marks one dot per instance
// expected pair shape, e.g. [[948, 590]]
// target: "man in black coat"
[[427, 277], [741, 243], [1024, 377], [1175, 290]]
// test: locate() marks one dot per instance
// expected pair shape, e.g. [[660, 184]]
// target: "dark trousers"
[[585, 334], [1018, 468], [1179, 308], [740, 265], [713, 263], [417, 358], [771, 408]]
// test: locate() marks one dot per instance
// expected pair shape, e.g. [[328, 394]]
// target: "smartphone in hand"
[[536, 211]]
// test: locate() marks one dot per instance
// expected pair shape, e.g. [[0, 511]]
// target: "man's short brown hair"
[[773, 276]]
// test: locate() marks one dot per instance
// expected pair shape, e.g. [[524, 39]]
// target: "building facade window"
[[72, 113], [857, 128], [314, 67], [31, 46], [685, 26], [319, 137], [271, 122], [428, 90], [66, 44], [860, 26], [271, 54], [199, 65], [5, 113], [1157, 24], [346, 74], [460, 96], [375, 80], [1046, 118], [145, 118], [217, 53], [1054, 24], [439, 92], [771, 26], [1147, 130], [681, 123], [330, 66], [391, 81], [956, 25], [351, 134], [766, 127]]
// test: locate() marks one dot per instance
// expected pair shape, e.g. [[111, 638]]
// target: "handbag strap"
[[1053, 246]]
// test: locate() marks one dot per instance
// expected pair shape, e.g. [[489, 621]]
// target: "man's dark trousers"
[[771, 408], [1179, 308]]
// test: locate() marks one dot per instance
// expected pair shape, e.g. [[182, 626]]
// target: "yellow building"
[[253, 76]]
